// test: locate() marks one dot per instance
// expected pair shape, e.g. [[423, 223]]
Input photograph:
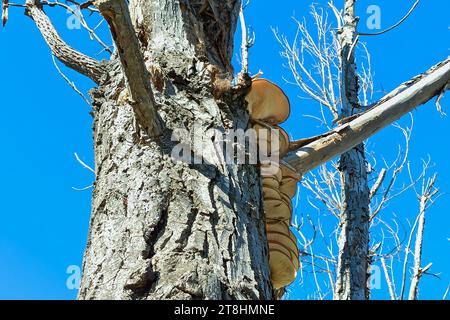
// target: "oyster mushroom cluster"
[[268, 107]]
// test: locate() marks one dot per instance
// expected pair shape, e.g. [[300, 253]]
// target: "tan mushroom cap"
[[288, 185], [286, 198], [271, 170], [267, 102], [282, 269], [281, 227], [270, 182], [284, 239], [264, 137]]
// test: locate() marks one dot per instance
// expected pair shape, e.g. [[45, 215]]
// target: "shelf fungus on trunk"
[[266, 133], [268, 107]]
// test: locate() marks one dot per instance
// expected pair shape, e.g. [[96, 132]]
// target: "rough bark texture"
[[162, 229], [354, 217], [165, 229]]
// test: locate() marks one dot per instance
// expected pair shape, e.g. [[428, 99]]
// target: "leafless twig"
[[395, 25], [83, 163], [71, 83]]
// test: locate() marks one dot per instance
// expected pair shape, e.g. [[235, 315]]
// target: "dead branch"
[[83, 164], [405, 98], [376, 186], [397, 167], [5, 11], [71, 83], [246, 43], [68, 56], [395, 25], [429, 194], [320, 80], [78, 14], [388, 279], [117, 14]]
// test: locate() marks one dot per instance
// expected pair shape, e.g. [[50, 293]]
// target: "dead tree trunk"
[[162, 229], [167, 229], [351, 282]]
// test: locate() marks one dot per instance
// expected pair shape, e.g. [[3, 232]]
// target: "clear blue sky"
[[44, 222]]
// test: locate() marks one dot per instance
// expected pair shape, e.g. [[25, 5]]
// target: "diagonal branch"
[[117, 14], [68, 56], [405, 98]]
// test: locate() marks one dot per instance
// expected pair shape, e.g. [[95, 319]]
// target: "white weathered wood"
[[402, 100], [161, 228], [353, 242]]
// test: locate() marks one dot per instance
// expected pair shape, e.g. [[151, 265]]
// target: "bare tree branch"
[[429, 193], [395, 25], [439, 98], [378, 183], [5, 11], [388, 279], [68, 56], [246, 43], [446, 292], [83, 163], [398, 167], [71, 83], [405, 98], [117, 15], [319, 80], [78, 14]]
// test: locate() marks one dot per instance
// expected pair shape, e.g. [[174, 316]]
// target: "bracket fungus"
[[278, 209], [267, 133], [267, 102], [289, 180], [268, 106]]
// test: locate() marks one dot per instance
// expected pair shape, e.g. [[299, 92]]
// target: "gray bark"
[[351, 282], [162, 229]]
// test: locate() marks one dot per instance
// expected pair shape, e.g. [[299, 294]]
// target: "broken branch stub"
[[117, 14], [389, 109]]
